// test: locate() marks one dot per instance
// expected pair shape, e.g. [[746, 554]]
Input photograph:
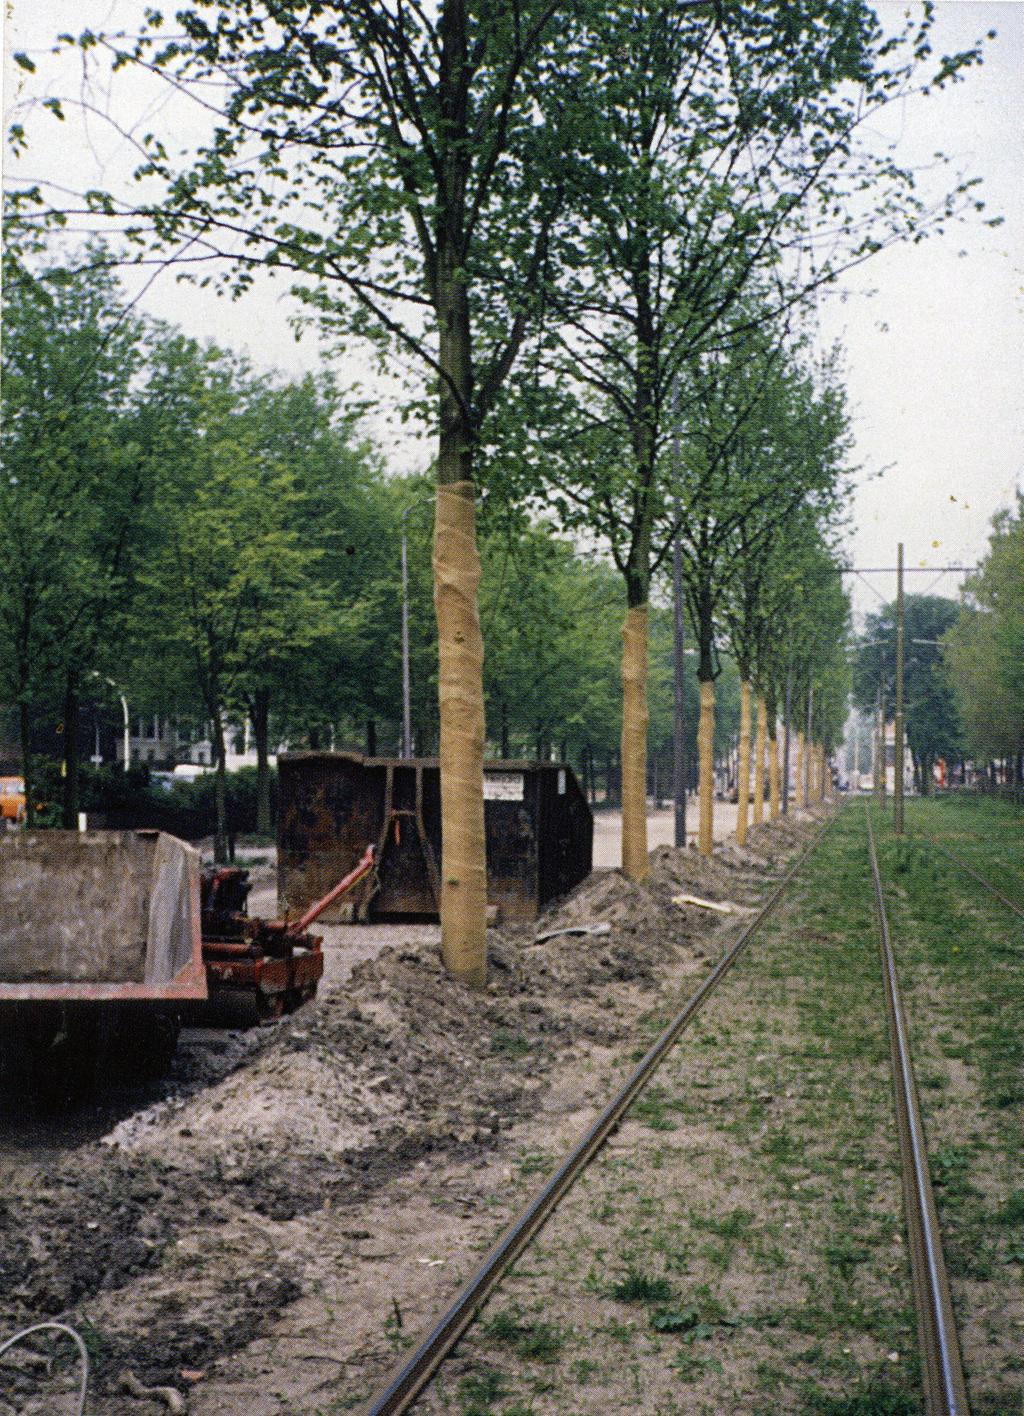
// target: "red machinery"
[[273, 964]]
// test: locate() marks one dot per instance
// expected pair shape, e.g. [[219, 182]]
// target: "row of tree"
[[594, 225], [219, 544]]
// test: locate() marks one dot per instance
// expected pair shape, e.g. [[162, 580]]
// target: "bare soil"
[[264, 1228]]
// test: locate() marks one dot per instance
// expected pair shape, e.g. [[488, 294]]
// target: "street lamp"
[[406, 686], [95, 673]]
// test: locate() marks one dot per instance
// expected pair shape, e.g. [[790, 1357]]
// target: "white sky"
[[934, 334]]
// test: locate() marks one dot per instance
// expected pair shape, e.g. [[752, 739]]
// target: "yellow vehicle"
[[12, 799]]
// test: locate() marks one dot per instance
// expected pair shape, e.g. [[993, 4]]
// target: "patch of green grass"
[[638, 1287], [509, 1044], [534, 1163], [951, 1171], [480, 1389], [583, 1369], [690, 1367], [879, 1398], [533, 1341], [843, 1254]]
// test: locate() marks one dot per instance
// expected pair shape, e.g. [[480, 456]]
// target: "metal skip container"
[[101, 916], [100, 945], [332, 805]]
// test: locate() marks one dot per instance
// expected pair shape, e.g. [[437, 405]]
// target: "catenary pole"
[[678, 647], [897, 790], [785, 741]]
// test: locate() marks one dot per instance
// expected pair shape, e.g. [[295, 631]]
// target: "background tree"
[[985, 647], [74, 487], [230, 587], [933, 725], [402, 164]]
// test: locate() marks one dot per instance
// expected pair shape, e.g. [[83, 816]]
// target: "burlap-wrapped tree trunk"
[[461, 704], [759, 741], [799, 792], [743, 782], [706, 777], [635, 860], [774, 775]]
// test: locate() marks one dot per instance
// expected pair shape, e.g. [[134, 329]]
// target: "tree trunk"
[[821, 771], [774, 792], [504, 729], [635, 862], [69, 812], [706, 757], [220, 837], [25, 733], [799, 793], [743, 771], [371, 738], [461, 712], [261, 732], [759, 742]]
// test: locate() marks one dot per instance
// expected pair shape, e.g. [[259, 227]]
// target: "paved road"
[[660, 829]]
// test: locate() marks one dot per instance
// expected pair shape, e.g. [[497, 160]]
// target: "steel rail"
[[945, 1392], [412, 1372], [1003, 899]]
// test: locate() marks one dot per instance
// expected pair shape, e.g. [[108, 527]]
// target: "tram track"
[[941, 1363], [942, 1369], [416, 1368], [975, 874]]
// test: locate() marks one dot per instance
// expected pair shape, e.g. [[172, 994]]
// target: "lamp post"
[[95, 673]]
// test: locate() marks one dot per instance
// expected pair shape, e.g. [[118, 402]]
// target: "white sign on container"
[[503, 786]]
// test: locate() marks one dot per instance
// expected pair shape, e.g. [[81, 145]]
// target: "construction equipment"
[[260, 967], [109, 938], [538, 825], [100, 948]]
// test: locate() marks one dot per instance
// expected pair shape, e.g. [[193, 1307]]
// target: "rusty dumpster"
[[331, 805], [100, 945]]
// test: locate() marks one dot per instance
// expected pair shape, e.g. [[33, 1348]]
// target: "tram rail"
[[975, 874], [944, 1389], [416, 1368]]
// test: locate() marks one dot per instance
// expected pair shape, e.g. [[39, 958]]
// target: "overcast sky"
[[934, 334]]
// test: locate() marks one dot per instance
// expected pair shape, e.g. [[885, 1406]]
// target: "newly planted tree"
[[401, 164], [728, 143]]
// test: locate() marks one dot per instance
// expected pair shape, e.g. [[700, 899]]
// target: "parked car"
[[12, 799]]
